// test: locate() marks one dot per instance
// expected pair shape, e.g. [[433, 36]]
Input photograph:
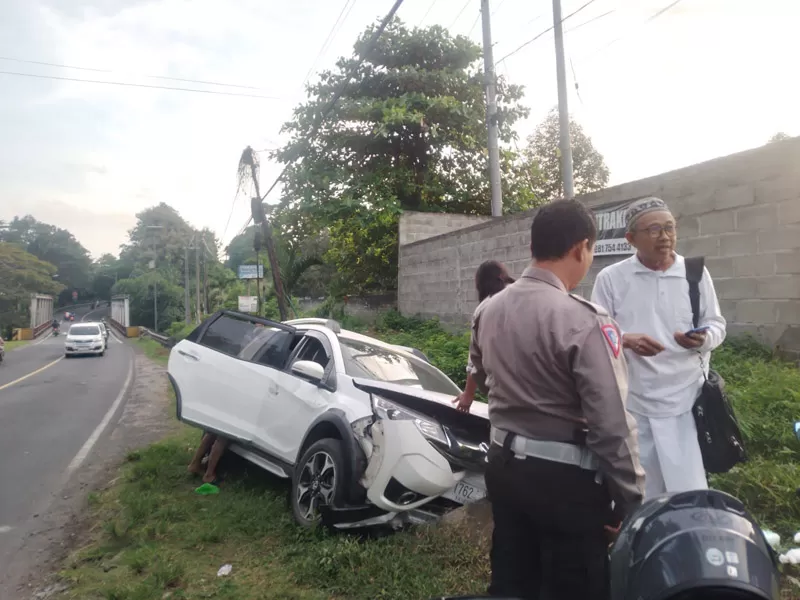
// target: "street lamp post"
[[155, 280]]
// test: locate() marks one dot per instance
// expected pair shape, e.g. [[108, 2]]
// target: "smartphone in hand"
[[697, 330]]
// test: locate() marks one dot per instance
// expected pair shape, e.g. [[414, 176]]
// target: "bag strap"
[[694, 273]]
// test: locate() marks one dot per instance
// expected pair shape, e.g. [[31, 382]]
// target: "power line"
[[325, 111], [49, 64], [592, 20], [230, 214], [331, 35], [461, 12], [140, 85], [652, 17], [530, 41], [427, 12]]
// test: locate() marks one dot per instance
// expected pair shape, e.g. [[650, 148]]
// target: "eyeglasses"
[[656, 229]]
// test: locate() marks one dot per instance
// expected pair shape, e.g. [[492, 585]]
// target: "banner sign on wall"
[[611, 231]]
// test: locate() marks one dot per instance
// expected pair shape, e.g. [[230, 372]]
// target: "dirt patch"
[[144, 418]]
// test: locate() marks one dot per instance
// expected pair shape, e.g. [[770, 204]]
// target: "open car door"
[[420, 447], [224, 370]]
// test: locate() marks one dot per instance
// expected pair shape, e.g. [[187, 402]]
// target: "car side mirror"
[[308, 369], [797, 429]]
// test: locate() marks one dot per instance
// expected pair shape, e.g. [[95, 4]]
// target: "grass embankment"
[[155, 538], [15, 344]]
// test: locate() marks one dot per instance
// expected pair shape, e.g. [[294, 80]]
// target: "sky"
[[704, 79]]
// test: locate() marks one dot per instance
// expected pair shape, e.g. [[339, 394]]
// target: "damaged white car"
[[365, 430]]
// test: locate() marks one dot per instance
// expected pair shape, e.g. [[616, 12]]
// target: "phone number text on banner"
[[611, 230]]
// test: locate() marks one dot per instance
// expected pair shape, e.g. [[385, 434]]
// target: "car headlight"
[[386, 409]]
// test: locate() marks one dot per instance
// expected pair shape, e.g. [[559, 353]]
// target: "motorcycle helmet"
[[693, 545]]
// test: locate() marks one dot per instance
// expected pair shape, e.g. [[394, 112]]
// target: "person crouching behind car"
[[217, 445], [490, 278]]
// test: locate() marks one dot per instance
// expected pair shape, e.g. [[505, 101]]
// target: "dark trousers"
[[549, 541]]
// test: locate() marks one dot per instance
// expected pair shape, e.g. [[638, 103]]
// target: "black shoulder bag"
[[718, 432]]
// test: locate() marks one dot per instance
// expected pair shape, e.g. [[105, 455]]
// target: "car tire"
[[321, 472]]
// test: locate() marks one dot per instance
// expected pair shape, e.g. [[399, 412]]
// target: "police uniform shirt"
[[552, 363]]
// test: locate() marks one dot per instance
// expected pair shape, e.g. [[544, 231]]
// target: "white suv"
[[365, 430]]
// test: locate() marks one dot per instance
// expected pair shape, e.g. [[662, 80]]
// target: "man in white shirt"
[[648, 295]]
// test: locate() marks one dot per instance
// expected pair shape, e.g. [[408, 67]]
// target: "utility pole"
[[257, 238], [155, 278], [563, 110], [187, 315], [491, 112], [205, 282], [249, 159], [197, 277], [155, 289]]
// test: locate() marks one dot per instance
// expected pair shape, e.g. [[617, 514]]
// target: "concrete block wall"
[[416, 226], [741, 211]]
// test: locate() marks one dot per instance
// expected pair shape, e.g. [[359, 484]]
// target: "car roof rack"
[[329, 323]]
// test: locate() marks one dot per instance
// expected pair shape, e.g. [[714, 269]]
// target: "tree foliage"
[[299, 259], [22, 274], [779, 137], [56, 246], [543, 159], [407, 134], [155, 254]]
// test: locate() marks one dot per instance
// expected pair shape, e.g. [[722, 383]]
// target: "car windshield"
[[84, 330], [370, 361]]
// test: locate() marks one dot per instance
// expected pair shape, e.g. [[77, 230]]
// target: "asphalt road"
[[52, 411]]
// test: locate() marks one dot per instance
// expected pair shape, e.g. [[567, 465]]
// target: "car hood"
[[467, 433]]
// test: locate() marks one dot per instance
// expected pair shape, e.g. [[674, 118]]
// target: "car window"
[[230, 335], [84, 330], [370, 361], [314, 350], [272, 349]]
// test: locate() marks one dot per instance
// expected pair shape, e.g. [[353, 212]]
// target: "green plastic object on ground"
[[207, 489]]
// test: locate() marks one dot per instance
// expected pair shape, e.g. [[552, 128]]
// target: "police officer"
[[563, 444]]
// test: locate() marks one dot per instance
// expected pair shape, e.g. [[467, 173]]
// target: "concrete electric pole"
[[197, 278], [491, 112], [187, 311], [563, 109]]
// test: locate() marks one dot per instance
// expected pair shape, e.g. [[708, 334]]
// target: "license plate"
[[466, 492]]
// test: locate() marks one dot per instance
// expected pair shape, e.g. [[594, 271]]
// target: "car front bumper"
[[75, 350], [404, 470]]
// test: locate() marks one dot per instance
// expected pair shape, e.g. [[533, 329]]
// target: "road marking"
[[83, 318], [46, 337], [31, 374], [89, 444], [5, 528]]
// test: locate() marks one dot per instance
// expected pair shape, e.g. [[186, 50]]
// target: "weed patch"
[[153, 350]]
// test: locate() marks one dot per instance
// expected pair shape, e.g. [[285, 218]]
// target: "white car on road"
[[85, 338], [365, 430]]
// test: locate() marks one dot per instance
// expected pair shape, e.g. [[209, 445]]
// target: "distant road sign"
[[249, 271]]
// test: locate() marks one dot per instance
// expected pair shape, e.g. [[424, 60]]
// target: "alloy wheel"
[[316, 485]]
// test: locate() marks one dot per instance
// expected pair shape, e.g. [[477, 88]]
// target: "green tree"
[[56, 246], [22, 274], [407, 134], [299, 258], [141, 289], [779, 137], [105, 273], [543, 160]]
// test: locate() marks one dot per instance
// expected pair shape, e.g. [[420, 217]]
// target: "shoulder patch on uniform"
[[595, 307], [612, 337]]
